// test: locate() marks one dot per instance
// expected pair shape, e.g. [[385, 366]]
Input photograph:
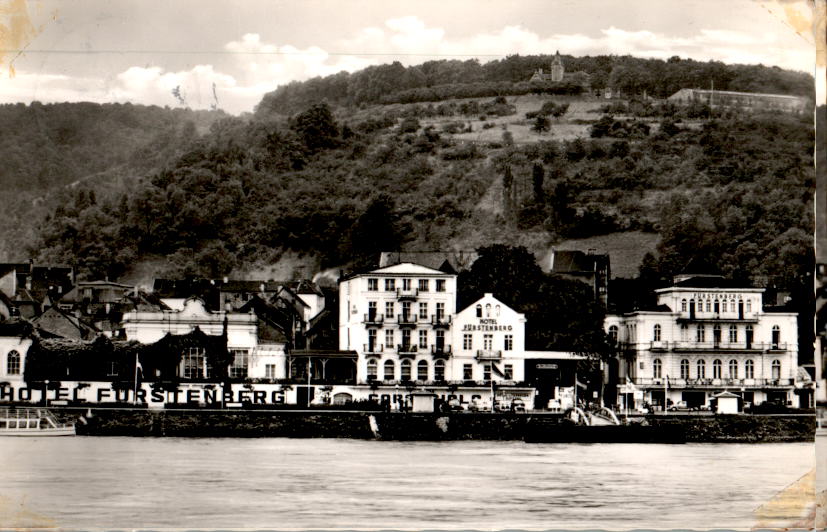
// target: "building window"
[[194, 363], [467, 341], [422, 370], [406, 339], [406, 310], [776, 369], [613, 334], [733, 334], [390, 370], [423, 285], [508, 345], [776, 336], [508, 372], [390, 285], [238, 370], [496, 311], [270, 371], [488, 310], [701, 366], [708, 306], [373, 284], [656, 368], [389, 309], [406, 370], [423, 339], [389, 338], [440, 285], [487, 341], [749, 369], [733, 369], [749, 305], [683, 305], [440, 311], [371, 310], [684, 369], [716, 369], [700, 334], [656, 333], [440, 340], [717, 307], [684, 332], [439, 370], [406, 284], [372, 370], [13, 363], [486, 372], [479, 311], [423, 311], [467, 372], [716, 334]]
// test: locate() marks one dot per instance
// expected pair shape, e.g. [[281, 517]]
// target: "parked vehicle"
[[478, 405], [680, 406], [517, 405], [454, 405]]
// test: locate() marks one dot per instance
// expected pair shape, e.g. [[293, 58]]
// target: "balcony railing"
[[410, 293], [374, 319], [406, 319], [728, 317], [406, 349], [373, 348], [714, 383], [489, 354], [440, 321], [710, 346], [440, 350]]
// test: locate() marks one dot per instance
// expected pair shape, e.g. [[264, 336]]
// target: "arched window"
[[613, 333], [708, 306], [656, 333], [439, 370], [488, 310], [656, 368], [733, 369], [716, 369], [13, 363], [732, 305], [406, 370], [700, 334], [776, 369], [716, 334], [422, 370], [776, 336], [684, 369], [372, 370], [684, 332], [701, 367], [717, 306], [479, 311], [733, 334], [749, 369], [749, 305], [390, 370], [497, 311], [683, 305]]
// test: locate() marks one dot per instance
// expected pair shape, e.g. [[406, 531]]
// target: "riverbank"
[[537, 427]]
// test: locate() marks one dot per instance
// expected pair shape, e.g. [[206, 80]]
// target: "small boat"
[[25, 421]]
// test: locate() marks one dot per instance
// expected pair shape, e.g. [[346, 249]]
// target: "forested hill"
[[45, 147], [444, 79]]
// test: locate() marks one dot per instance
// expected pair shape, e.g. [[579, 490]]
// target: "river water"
[[272, 483]]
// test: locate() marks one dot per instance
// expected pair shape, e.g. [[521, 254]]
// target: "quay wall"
[[410, 426]]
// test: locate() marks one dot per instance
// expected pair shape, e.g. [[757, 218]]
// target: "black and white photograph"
[[413, 265]]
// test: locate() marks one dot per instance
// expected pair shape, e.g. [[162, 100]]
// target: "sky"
[[140, 51]]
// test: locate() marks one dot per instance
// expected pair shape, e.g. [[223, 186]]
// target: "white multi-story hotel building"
[[706, 335]]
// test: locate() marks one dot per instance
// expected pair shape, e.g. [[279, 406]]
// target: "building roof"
[[576, 261], [709, 281], [446, 261], [17, 328], [736, 93]]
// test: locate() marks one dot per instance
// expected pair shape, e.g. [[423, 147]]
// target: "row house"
[[706, 335]]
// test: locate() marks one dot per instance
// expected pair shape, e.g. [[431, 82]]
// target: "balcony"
[[406, 349], [440, 351], [732, 347], [712, 317], [406, 320], [713, 383], [409, 294], [440, 321], [489, 354], [374, 320], [373, 349]]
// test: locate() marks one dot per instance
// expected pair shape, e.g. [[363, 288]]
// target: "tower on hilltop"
[[557, 69]]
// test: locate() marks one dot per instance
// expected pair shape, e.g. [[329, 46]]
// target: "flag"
[[497, 371]]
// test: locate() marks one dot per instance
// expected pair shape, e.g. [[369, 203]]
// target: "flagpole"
[[666, 394]]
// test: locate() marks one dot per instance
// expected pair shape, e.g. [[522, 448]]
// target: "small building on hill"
[[589, 267], [746, 100]]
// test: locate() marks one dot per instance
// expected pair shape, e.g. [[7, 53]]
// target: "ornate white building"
[[707, 335]]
